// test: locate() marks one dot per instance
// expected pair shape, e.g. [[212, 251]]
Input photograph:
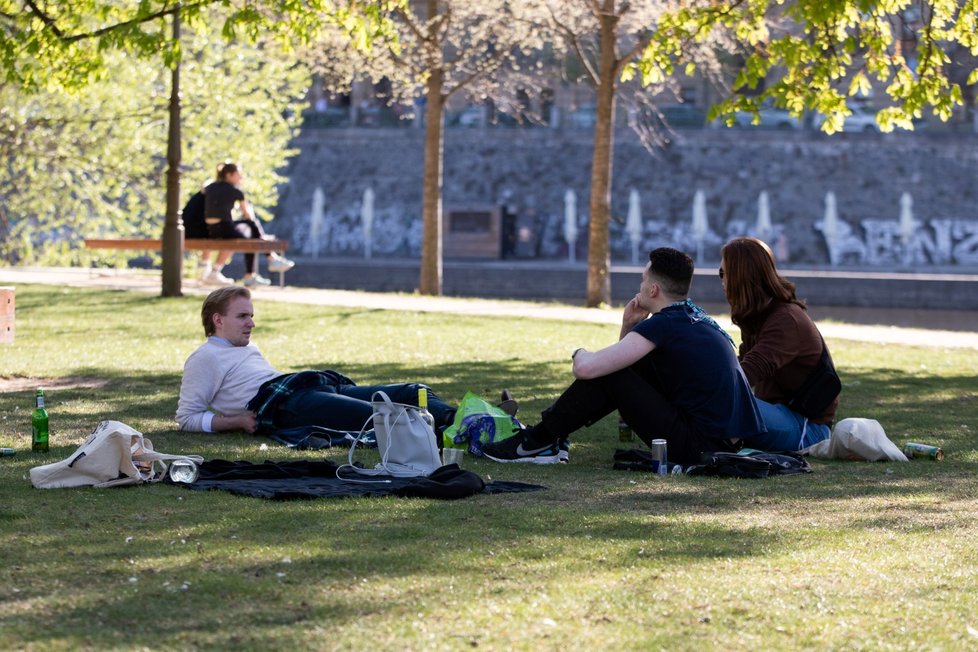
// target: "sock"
[[538, 435]]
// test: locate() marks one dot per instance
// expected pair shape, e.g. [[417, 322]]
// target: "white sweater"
[[219, 378]]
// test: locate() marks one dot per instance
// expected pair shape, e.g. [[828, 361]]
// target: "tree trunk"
[[431, 240], [599, 252], [173, 226]]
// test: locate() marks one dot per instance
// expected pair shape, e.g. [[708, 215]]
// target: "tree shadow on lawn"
[[650, 522], [935, 409], [337, 568]]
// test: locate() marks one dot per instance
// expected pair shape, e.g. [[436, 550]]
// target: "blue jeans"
[[786, 430], [348, 407]]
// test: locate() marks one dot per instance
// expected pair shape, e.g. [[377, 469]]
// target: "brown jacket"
[[779, 350]]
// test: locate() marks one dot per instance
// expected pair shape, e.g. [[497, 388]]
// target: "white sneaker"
[[279, 263], [256, 280], [216, 278]]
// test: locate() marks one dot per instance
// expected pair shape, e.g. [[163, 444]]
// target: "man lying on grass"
[[673, 375], [229, 385]]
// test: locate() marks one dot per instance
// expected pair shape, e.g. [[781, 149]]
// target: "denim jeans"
[[348, 407], [786, 430]]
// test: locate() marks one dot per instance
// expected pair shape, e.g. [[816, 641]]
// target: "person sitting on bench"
[[220, 198]]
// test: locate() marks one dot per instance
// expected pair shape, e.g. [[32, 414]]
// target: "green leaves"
[[811, 54], [90, 160]]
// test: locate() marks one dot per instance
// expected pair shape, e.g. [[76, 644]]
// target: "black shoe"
[[508, 404], [519, 448]]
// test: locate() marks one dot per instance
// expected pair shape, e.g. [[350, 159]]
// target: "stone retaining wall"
[[530, 170]]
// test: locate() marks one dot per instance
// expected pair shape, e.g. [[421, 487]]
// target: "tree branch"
[[44, 18], [411, 25], [72, 38], [494, 59], [572, 37], [640, 45]]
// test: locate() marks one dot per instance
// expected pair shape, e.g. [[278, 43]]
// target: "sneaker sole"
[[540, 459]]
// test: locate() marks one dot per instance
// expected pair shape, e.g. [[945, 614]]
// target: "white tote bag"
[[113, 455], [857, 439], [405, 441]]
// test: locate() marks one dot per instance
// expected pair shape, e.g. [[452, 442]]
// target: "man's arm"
[[629, 349], [623, 353], [245, 421], [198, 387]]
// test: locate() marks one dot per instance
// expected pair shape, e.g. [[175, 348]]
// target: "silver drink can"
[[183, 471], [659, 455]]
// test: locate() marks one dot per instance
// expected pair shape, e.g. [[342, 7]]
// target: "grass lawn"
[[856, 555]]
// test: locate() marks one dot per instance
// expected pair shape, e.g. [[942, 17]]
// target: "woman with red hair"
[[780, 345]]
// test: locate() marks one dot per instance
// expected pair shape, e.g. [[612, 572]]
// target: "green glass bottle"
[[39, 425]]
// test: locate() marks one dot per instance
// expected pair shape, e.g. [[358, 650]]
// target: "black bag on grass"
[[751, 465]]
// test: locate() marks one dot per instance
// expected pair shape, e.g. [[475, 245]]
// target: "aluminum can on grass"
[[184, 471], [7, 452], [917, 451], [659, 455]]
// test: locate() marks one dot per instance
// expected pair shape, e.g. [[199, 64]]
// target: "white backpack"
[[406, 443], [113, 455]]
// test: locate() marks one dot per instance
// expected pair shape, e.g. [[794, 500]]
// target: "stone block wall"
[[530, 170]]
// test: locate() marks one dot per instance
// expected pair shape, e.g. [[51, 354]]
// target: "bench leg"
[[281, 279]]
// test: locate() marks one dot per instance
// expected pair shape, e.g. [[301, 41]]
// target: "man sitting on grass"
[[228, 385], [673, 375]]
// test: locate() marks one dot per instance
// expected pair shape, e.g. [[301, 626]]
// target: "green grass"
[[856, 555]]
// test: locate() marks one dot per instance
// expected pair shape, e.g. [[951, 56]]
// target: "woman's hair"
[[225, 169], [752, 280], [217, 303]]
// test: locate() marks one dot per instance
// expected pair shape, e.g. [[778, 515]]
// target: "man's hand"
[[246, 421], [633, 314]]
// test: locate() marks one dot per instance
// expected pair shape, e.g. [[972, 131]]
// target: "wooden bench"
[[241, 245]]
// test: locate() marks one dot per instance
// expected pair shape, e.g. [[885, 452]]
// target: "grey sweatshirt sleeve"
[[198, 388]]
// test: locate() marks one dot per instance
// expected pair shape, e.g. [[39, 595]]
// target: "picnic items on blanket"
[[819, 389], [406, 442], [857, 439], [306, 479], [478, 422], [113, 455]]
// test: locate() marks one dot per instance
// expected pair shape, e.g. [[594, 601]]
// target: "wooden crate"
[[7, 305]]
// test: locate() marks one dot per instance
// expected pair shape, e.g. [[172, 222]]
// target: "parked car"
[[680, 116], [861, 120], [771, 118]]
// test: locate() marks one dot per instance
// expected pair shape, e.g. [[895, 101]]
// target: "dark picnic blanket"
[[303, 479]]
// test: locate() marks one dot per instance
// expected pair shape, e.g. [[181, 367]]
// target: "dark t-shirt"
[[193, 217], [220, 199], [700, 374]]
